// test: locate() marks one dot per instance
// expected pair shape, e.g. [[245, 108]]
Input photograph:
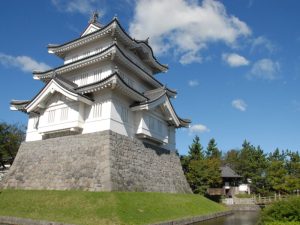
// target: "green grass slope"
[[94, 208]]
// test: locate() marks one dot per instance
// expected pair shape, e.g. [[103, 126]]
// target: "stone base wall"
[[102, 161]]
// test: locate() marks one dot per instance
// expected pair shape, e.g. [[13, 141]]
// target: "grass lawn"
[[94, 208]]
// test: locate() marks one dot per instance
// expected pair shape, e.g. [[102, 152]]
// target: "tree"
[[196, 149], [277, 155], [11, 137], [212, 150], [276, 176], [231, 158], [249, 162], [277, 173], [203, 174]]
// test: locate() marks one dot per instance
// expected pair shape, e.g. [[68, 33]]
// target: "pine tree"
[[196, 149], [212, 150]]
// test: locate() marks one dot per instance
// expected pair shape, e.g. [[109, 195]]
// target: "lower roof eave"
[[147, 137], [19, 105]]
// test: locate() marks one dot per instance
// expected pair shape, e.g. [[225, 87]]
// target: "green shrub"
[[283, 223], [282, 211]]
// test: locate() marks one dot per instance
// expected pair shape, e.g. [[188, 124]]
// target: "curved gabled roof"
[[50, 73], [56, 85], [61, 49], [59, 84], [162, 99]]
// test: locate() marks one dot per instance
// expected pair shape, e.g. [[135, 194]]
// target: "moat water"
[[238, 218]]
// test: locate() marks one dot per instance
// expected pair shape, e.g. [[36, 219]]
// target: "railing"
[[270, 199], [257, 200]]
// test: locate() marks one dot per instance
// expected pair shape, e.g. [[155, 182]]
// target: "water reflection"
[[238, 218]]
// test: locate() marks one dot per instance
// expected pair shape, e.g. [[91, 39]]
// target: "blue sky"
[[235, 64]]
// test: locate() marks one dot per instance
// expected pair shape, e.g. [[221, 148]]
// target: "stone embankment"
[[101, 161]]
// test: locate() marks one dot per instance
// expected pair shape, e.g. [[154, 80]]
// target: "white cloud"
[[77, 6], [25, 63], [262, 42], [198, 128], [265, 69], [185, 27], [193, 83], [239, 104], [235, 60]]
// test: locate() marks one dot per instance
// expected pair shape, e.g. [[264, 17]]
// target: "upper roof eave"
[[51, 73], [171, 93], [160, 67], [58, 49], [116, 79]]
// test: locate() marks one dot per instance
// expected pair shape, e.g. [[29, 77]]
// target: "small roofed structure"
[[230, 183], [227, 172], [230, 180]]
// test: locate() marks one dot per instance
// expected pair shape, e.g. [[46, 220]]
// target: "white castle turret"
[[102, 122], [107, 82]]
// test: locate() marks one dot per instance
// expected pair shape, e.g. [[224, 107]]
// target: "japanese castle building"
[[102, 122], [107, 82]]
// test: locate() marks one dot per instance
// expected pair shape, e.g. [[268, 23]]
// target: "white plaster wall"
[[92, 47], [113, 105], [171, 137], [101, 122], [113, 108], [32, 132], [57, 103], [159, 129], [162, 132], [120, 106], [90, 74]]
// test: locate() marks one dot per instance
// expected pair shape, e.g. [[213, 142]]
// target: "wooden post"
[[275, 196]]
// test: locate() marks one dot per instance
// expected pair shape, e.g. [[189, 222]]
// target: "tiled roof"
[[226, 171]]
